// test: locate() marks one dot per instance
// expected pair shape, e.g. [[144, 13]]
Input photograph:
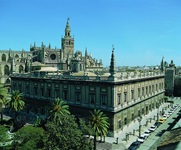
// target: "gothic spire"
[[86, 52], [162, 65], [67, 28], [112, 70]]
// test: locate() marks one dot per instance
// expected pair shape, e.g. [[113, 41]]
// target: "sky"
[[141, 31]]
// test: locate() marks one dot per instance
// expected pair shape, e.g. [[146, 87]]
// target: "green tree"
[[66, 135], [59, 108], [100, 124], [3, 134], [3, 98], [29, 138], [86, 127], [16, 103]]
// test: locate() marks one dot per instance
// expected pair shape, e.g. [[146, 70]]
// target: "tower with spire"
[[67, 42]]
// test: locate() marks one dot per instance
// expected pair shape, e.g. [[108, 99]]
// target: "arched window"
[[3, 57], [81, 67], [6, 70], [74, 67], [16, 56], [8, 81], [20, 69]]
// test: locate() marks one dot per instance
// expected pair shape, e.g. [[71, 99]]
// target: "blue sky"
[[142, 31]]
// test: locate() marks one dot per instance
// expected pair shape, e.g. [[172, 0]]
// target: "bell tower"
[[67, 42]]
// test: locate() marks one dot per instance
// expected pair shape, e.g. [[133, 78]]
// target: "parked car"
[[165, 116], [135, 145], [171, 112], [161, 120], [142, 138], [153, 128], [147, 133], [157, 124], [175, 107]]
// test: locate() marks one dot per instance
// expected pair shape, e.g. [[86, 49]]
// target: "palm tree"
[[59, 107], [3, 97], [16, 103], [100, 124]]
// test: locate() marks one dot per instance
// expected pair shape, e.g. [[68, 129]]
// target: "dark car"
[[157, 124], [134, 145]]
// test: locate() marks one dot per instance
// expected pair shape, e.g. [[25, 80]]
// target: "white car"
[[152, 128], [165, 116], [147, 133], [142, 138], [171, 111]]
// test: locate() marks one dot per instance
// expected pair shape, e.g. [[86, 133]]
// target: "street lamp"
[[139, 120]]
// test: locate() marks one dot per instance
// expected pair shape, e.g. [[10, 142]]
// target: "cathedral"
[[64, 59]]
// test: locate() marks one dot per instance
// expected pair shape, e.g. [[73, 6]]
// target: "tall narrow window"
[[92, 98], [143, 91], [35, 91], [3, 57], [119, 124], [6, 70], [77, 96], [65, 94], [139, 114], [153, 106], [150, 107], [143, 111], [153, 90], [20, 69], [119, 98], [57, 93], [49, 92], [146, 90], [138, 92], [20, 88], [103, 99], [42, 91], [132, 116], [125, 96], [159, 86], [132, 94], [150, 89], [125, 121]]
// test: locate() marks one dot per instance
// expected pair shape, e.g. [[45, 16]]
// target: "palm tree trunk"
[[15, 115], [104, 139], [94, 142], [1, 115], [1, 111]]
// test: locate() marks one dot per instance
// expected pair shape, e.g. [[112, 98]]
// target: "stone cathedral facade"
[[65, 59]]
